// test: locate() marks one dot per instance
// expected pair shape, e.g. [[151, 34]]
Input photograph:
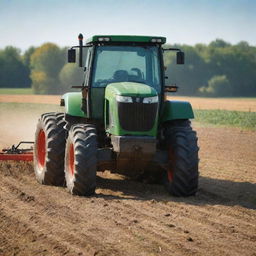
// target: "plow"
[[17, 152]]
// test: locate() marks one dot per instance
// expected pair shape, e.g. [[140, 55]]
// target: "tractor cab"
[[124, 64]]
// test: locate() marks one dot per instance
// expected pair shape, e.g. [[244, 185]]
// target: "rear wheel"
[[181, 179], [49, 149], [81, 160]]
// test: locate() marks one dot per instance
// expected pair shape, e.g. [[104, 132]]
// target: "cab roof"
[[126, 38]]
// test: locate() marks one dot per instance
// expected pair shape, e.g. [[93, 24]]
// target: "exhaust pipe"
[[80, 40]]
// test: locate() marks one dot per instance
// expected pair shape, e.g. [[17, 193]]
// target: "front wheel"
[[81, 160], [181, 179], [50, 138]]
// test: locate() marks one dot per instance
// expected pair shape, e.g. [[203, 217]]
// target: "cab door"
[[96, 95]]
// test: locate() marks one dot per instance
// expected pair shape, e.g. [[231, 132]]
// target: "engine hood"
[[129, 89]]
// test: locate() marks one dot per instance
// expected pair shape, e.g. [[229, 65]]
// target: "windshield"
[[126, 64]]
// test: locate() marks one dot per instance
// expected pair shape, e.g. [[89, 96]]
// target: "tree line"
[[215, 70], [218, 69]]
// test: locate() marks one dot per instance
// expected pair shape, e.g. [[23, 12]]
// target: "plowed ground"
[[126, 217]]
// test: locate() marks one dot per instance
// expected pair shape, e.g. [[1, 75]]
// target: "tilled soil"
[[126, 217]]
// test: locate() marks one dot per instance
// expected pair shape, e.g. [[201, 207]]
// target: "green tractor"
[[121, 120]]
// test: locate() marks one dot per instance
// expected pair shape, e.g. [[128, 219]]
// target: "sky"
[[25, 23]]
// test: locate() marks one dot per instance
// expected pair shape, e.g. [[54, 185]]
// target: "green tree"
[[191, 76], [13, 72], [48, 60], [218, 86], [27, 56], [70, 75], [238, 64], [219, 43], [205, 62]]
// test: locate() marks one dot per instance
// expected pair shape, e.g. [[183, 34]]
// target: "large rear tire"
[[81, 160], [49, 149], [182, 177]]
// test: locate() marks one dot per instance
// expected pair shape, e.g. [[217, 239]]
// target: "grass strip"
[[227, 118], [16, 91]]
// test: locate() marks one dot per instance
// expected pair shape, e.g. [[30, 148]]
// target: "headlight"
[[149, 100], [124, 99]]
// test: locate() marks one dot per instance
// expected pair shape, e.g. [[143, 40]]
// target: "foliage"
[[218, 69], [27, 56], [13, 72], [204, 63], [227, 118], [70, 75], [46, 63], [217, 86]]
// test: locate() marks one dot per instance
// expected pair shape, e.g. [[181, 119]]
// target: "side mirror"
[[180, 57], [71, 56]]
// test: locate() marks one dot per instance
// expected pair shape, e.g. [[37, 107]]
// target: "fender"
[[176, 110], [72, 102]]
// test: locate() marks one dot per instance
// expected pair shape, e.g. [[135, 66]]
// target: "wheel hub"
[[71, 159], [41, 149]]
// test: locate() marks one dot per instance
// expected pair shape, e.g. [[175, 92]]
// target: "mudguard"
[[176, 110], [72, 103]]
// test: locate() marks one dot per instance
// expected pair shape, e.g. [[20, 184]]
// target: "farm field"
[[127, 217], [239, 104]]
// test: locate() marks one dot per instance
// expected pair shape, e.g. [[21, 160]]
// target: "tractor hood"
[[129, 89], [134, 116]]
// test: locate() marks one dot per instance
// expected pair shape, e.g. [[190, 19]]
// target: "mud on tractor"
[[121, 120]]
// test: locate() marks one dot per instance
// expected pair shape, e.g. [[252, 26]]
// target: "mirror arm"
[[172, 49], [77, 46]]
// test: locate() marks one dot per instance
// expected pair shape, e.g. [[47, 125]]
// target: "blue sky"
[[32, 22]]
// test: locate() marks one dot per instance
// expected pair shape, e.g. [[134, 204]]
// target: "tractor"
[[121, 120]]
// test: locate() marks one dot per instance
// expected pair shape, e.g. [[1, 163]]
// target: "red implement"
[[17, 154], [17, 157]]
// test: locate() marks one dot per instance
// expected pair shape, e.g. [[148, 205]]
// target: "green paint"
[[125, 89], [177, 110], [97, 102], [130, 89], [73, 101], [125, 38]]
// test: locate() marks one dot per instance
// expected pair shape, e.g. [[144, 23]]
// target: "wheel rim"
[[71, 159], [41, 151], [171, 157]]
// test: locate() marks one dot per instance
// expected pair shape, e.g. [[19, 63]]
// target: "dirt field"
[[131, 218], [48, 99], [197, 103], [126, 217]]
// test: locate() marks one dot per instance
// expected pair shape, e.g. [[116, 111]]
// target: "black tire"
[[182, 177], [81, 160], [49, 149]]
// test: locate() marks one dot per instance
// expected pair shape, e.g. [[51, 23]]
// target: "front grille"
[[137, 116]]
